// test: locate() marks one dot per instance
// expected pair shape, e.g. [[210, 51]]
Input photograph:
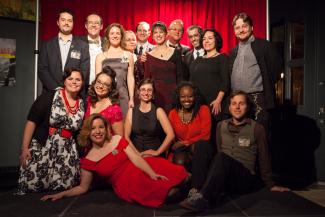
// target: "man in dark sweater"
[[241, 144], [254, 65]]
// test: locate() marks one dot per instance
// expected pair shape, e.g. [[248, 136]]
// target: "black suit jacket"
[[85, 39], [187, 60], [269, 61], [183, 48], [50, 66]]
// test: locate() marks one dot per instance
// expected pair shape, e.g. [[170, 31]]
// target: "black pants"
[[196, 158], [228, 175]]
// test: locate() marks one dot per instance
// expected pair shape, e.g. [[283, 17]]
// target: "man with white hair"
[[175, 33], [143, 33]]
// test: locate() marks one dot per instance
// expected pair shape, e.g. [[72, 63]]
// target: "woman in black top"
[[146, 126], [210, 73]]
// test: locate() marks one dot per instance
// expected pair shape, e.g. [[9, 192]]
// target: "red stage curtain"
[[217, 14]]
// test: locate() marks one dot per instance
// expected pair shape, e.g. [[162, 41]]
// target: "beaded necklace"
[[71, 109], [183, 117]]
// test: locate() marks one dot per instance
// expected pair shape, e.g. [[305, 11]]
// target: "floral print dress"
[[54, 166]]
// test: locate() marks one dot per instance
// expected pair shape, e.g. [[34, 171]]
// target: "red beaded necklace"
[[71, 109]]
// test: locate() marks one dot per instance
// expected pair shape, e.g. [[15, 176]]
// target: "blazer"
[[269, 61], [85, 39], [149, 48], [187, 60], [50, 66]]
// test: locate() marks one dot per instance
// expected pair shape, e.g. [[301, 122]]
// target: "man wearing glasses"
[[175, 33], [143, 33], [93, 25]]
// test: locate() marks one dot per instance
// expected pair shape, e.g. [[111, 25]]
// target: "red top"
[[112, 113], [198, 129]]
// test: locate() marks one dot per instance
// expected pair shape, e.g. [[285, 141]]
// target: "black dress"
[[146, 129], [210, 75]]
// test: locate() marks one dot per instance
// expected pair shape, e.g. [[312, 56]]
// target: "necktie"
[[197, 54], [171, 45], [140, 50], [94, 41]]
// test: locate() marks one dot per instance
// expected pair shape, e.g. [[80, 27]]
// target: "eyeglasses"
[[177, 30], [142, 31], [103, 85], [94, 23], [146, 90]]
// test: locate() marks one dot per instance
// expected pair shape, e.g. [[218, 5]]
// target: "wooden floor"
[[100, 203]]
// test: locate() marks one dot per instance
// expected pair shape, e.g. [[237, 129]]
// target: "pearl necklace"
[[183, 117]]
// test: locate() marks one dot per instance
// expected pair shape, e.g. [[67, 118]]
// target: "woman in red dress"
[[133, 178]]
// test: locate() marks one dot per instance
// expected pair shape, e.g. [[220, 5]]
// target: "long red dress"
[[131, 183]]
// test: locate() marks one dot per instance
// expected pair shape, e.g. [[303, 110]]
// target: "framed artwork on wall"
[[7, 62], [18, 9]]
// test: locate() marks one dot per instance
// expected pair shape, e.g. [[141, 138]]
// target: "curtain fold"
[[216, 14]]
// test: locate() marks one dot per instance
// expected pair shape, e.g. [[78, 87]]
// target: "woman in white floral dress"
[[49, 157], [121, 61]]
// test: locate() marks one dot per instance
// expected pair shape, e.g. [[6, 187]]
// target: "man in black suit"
[[194, 33], [175, 34], [62, 52], [93, 25]]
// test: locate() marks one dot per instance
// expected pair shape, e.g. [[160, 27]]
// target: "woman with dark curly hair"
[[103, 99], [191, 122], [147, 181], [210, 73]]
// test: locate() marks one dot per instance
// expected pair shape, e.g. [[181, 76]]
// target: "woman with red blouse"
[[191, 121]]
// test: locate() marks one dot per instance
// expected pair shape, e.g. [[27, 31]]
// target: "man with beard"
[[254, 65], [62, 52]]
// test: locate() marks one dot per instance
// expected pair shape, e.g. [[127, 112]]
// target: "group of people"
[[156, 120]]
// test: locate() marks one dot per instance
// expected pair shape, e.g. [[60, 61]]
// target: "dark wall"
[[15, 101], [320, 85], [304, 139]]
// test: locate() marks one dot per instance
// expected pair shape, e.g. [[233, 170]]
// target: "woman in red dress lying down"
[[146, 181]]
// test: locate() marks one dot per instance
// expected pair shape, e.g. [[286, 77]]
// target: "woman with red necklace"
[[49, 158]]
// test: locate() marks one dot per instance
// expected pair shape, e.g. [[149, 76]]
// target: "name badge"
[[244, 142], [115, 152], [75, 54]]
